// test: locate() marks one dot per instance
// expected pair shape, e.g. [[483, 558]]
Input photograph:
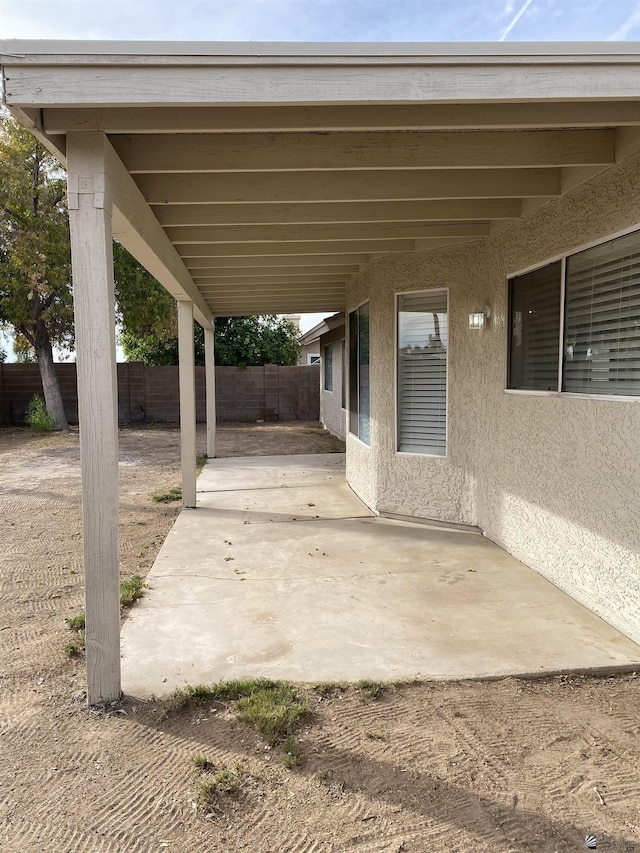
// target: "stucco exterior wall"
[[332, 415], [554, 479], [308, 350]]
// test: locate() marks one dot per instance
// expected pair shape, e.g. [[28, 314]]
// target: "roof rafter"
[[278, 118], [286, 152]]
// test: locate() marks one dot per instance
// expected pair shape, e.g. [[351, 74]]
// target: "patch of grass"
[[168, 497], [292, 754], [202, 762], [212, 785], [273, 711], [371, 689], [222, 691], [130, 590], [328, 688], [76, 623], [37, 417], [73, 649], [201, 461]]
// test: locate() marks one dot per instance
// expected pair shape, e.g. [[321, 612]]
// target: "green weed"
[[273, 711], [292, 754], [222, 691], [37, 417], [130, 590], [168, 497], [371, 689], [76, 623]]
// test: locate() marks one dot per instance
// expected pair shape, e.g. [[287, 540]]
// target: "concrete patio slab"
[[282, 572]]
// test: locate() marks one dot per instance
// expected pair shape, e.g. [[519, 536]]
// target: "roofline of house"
[[321, 328], [99, 51]]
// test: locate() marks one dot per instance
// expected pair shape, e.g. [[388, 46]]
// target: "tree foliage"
[[147, 314], [35, 258]]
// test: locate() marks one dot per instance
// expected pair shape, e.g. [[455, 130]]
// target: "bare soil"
[[496, 766]]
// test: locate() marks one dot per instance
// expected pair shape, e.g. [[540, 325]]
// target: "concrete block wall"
[[151, 394]]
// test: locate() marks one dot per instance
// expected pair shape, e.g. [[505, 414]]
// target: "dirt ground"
[[496, 766]]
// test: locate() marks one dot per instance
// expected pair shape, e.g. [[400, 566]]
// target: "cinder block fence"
[[151, 395]]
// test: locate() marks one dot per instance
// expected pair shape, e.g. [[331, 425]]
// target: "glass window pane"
[[534, 349], [422, 372], [353, 372], [602, 319], [328, 368], [363, 374]]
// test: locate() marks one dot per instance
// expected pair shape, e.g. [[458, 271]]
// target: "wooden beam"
[[276, 305], [137, 229], [329, 247], [283, 233], [573, 176], [187, 380], [248, 281], [260, 119], [324, 212], [197, 266], [93, 299], [242, 152], [329, 82], [627, 142], [283, 272], [349, 186], [428, 245]]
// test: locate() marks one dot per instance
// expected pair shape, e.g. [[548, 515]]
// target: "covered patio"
[[284, 573], [289, 178]]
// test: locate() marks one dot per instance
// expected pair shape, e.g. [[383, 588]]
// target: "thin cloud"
[[515, 20], [627, 26]]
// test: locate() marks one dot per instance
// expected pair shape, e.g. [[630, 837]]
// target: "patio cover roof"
[[254, 178]]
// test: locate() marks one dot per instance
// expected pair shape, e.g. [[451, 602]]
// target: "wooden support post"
[[93, 298], [210, 379], [187, 375]]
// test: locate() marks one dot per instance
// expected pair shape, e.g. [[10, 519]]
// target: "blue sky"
[[323, 20]]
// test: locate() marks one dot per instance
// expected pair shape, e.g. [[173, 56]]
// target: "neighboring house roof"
[[234, 182], [324, 326]]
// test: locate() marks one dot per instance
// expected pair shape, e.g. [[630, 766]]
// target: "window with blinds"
[[422, 372], [602, 319], [534, 309], [599, 348]]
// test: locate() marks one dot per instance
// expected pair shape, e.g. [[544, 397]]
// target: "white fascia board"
[[67, 50], [130, 73]]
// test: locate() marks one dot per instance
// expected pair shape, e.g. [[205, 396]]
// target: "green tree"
[[147, 316], [35, 258], [239, 342]]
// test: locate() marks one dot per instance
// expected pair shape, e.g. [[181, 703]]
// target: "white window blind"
[[602, 319], [534, 345], [422, 372]]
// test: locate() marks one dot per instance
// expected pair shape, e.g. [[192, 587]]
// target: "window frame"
[[572, 395], [347, 340], [396, 407]]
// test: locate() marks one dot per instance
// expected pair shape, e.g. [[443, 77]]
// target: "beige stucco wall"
[[554, 479], [305, 351], [332, 415]]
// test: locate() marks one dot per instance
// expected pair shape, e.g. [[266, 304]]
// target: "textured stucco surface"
[[332, 415], [554, 479]]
